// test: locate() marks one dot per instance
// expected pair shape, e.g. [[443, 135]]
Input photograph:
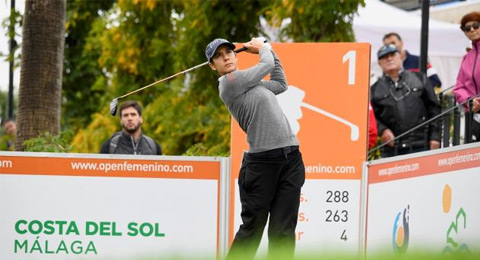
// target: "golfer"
[[272, 171]]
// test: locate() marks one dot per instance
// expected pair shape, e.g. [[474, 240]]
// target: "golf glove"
[[266, 43]]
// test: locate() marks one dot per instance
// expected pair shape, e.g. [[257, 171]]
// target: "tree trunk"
[[41, 69]]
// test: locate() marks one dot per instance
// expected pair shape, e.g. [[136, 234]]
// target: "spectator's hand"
[[387, 137], [476, 105], [254, 45], [434, 144]]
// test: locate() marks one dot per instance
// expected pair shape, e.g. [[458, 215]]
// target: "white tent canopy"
[[446, 43]]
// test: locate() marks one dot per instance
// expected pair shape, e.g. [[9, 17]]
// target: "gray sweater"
[[253, 104]]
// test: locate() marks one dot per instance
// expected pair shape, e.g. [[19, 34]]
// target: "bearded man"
[[131, 140]]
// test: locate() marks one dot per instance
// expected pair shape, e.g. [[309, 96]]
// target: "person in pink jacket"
[[468, 79]]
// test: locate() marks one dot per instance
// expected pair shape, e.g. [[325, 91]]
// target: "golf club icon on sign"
[[291, 102]]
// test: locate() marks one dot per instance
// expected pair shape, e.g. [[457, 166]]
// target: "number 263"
[[337, 216]]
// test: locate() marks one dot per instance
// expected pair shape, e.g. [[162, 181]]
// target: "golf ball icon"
[[291, 102]]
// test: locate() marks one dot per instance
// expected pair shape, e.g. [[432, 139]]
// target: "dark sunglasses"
[[469, 27]]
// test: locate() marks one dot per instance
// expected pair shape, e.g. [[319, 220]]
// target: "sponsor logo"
[[401, 231]]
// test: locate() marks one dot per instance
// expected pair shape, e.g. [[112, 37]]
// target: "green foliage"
[[90, 139], [47, 142], [12, 22], [315, 20], [83, 80], [7, 141], [3, 107]]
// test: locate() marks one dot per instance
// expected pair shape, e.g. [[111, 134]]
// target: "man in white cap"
[[272, 172], [402, 100]]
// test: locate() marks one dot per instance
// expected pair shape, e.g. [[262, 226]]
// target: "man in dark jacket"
[[131, 140], [402, 100]]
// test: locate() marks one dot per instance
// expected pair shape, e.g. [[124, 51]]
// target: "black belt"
[[284, 151]]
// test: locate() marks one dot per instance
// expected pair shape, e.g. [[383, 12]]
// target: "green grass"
[[343, 256]]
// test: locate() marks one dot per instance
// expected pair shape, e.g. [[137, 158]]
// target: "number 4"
[[343, 236]]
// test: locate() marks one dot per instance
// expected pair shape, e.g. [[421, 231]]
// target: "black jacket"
[[402, 106], [126, 145]]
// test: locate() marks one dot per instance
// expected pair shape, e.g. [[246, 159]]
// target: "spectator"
[[410, 61], [131, 140], [468, 79], [401, 100], [8, 140]]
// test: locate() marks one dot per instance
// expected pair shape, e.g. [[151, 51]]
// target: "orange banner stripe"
[[90, 167], [425, 165]]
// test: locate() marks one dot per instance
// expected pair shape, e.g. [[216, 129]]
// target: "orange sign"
[[164, 196], [329, 82]]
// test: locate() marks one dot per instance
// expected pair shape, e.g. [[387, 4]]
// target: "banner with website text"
[[426, 201], [57, 206], [327, 106]]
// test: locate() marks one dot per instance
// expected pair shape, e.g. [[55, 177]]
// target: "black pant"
[[269, 183]]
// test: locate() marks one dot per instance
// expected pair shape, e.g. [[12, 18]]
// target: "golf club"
[[114, 103]]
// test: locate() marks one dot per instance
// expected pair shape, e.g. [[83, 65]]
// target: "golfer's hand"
[[266, 44], [254, 45], [387, 137]]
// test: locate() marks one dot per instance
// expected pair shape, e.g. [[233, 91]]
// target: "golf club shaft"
[[164, 79], [174, 75]]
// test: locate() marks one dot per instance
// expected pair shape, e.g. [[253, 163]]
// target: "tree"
[[41, 69], [83, 80], [315, 20]]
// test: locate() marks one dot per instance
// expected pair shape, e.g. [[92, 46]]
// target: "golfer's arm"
[[241, 81], [277, 83], [250, 77]]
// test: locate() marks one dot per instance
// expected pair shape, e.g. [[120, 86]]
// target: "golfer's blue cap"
[[386, 49], [213, 46]]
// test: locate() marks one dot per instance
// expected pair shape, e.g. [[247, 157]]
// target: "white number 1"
[[351, 56]]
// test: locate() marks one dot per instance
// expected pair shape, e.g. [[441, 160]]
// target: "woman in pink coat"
[[468, 79]]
